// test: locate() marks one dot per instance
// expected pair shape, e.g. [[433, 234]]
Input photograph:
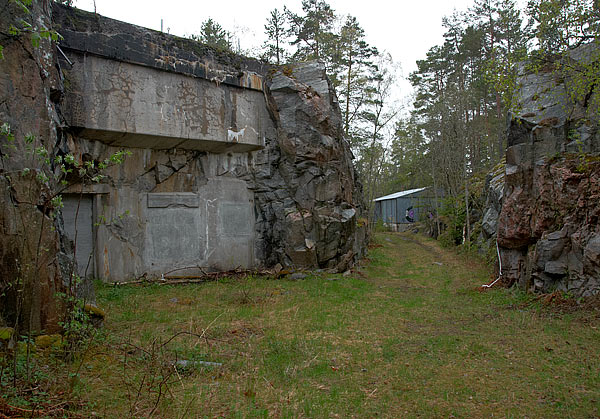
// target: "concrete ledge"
[[94, 188], [130, 105], [158, 142], [173, 199]]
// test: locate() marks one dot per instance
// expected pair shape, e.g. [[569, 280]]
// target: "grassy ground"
[[409, 337]]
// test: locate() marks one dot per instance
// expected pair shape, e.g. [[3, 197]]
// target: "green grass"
[[404, 337]]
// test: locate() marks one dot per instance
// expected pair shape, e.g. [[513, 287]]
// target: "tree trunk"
[[347, 119], [468, 224], [435, 194]]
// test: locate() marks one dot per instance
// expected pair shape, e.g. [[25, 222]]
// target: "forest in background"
[[453, 133]]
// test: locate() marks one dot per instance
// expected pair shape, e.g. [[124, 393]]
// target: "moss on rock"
[[47, 341], [6, 333], [94, 311]]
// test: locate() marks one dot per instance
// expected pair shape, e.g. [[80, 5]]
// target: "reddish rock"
[[548, 227], [32, 255]]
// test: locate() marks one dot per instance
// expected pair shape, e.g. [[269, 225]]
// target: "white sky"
[[404, 28]]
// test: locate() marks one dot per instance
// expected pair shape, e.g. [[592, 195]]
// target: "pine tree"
[[560, 27], [277, 34], [213, 34], [352, 68], [311, 32], [562, 24]]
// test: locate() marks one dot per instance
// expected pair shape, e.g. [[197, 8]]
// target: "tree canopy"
[[463, 87], [214, 35]]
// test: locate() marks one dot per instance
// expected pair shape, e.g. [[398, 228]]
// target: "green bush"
[[379, 226]]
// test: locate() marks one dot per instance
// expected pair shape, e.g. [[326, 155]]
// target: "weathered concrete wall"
[[161, 211], [548, 228], [130, 105], [166, 209], [232, 164]]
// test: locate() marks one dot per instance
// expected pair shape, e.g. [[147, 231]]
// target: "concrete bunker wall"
[[165, 211], [233, 163], [176, 204], [162, 211], [131, 105], [179, 203]]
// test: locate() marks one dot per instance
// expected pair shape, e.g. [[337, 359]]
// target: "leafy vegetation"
[[464, 87], [35, 187], [410, 333], [34, 174]]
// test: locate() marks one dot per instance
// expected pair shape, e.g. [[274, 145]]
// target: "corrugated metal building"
[[404, 207]]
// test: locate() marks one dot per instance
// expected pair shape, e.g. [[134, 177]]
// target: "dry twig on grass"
[[196, 279]]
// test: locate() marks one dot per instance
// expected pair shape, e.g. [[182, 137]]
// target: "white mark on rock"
[[235, 136], [218, 80]]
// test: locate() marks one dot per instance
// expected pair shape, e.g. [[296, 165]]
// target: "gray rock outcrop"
[[309, 198], [493, 192], [548, 228]]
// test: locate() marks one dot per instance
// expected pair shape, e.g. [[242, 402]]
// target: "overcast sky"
[[404, 28]]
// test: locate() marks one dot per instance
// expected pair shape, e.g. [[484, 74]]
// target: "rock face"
[[309, 198], [240, 164], [493, 191], [548, 227], [34, 257]]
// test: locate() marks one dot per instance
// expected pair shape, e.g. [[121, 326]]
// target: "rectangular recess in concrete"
[[173, 199], [78, 222], [234, 219], [175, 234]]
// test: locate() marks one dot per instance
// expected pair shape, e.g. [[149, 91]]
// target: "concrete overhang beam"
[[157, 142], [131, 105]]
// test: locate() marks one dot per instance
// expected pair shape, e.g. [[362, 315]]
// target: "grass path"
[[409, 336]]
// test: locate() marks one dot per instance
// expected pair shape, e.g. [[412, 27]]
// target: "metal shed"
[[404, 207]]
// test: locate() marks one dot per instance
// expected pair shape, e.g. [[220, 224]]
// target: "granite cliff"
[[548, 226]]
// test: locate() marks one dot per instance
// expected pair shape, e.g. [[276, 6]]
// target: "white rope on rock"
[[500, 265]]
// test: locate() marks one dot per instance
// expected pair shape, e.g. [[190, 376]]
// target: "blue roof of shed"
[[400, 194]]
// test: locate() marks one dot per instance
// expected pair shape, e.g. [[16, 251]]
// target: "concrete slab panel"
[[233, 253], [235, 218], [174, 236], [173, 199], [131, 105]]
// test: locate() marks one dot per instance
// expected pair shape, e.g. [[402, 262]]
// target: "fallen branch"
[[196, 279]]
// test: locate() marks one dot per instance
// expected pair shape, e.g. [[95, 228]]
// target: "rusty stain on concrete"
[[106, 263]]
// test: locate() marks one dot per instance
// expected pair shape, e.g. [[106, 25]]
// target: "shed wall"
[[393, 211]]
